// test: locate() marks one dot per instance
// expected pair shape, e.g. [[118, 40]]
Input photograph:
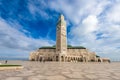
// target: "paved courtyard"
[[62, 71]]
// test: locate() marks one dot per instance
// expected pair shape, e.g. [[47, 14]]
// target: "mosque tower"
[[61, 39]]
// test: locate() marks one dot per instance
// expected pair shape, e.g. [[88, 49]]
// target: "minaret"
[[61, 39]]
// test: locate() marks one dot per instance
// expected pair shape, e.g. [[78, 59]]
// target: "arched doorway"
[[99, 60], [40, 59], [62, 58], [57, 58]]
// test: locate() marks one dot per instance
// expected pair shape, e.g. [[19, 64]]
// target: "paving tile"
[[14, 78], [62, 71]]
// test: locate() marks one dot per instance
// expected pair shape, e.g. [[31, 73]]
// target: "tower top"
[[61, 17]]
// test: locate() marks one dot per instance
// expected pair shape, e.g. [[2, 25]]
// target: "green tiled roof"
[[47, 47], [76, 47], [69, 47]]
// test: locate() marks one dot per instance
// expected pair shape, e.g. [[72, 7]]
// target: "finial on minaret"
[[61, 20], [61, 17]]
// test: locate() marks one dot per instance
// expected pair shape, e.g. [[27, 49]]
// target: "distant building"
[[63, 52]]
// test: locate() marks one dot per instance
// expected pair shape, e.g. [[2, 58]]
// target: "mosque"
[[62, 52]]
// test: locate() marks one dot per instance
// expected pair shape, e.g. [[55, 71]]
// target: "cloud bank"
[[14, 41]]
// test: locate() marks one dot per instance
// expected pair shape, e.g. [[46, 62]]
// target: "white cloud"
[[76, 11], [14, 41], [90, 24], [113, 14], [85, 30], [38, 9]]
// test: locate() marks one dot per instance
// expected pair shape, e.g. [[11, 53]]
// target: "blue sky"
[[26, 25]]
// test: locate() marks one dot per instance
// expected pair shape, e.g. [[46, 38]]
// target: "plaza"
[[62, 71]]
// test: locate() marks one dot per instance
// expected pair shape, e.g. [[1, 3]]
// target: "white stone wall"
[[50, 54]]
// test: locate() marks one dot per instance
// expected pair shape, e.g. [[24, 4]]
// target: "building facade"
[[62, 52]]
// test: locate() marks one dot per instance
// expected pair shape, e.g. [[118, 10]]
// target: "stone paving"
[[62, 71]]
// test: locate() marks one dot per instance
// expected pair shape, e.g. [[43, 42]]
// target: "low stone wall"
[[11, 68]]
